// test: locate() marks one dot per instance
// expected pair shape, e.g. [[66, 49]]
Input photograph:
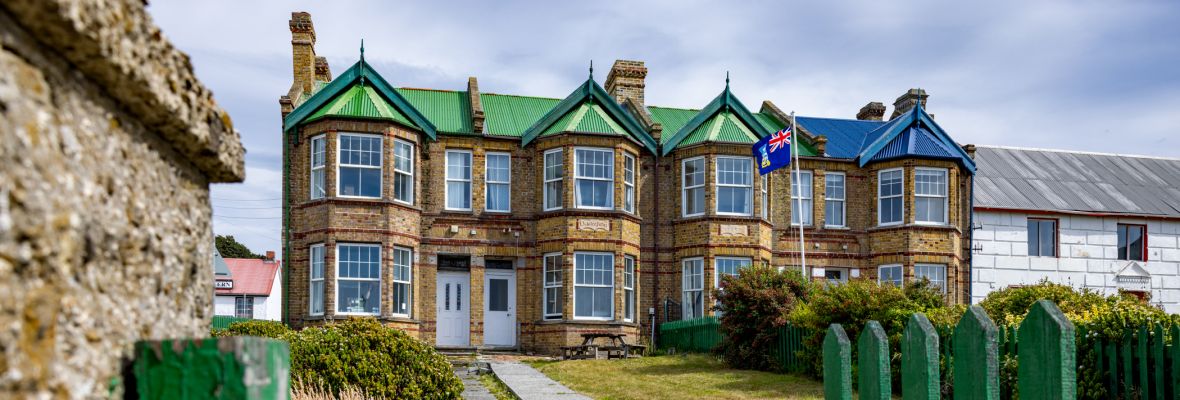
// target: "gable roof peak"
[[589, 100], [725, 102], [359, 73]]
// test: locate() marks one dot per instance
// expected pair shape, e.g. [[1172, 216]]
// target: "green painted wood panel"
[[919, 359], [1047, 354], [219, 368], [872, 348], [1159, 389], [976, 356], [837, 364]]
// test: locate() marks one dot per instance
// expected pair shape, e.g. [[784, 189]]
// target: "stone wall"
[[1087, 255], [109, 145]]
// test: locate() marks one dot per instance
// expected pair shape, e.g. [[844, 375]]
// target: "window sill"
[[342, 317], [585, 322]]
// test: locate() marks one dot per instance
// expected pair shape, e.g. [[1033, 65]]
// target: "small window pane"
[[497, 295]]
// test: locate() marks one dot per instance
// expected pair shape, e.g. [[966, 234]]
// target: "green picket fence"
[[701, 335], [223, 321], [1047, 351], [1142, 365]]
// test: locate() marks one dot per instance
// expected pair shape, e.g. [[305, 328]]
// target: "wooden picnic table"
[[617, 348]]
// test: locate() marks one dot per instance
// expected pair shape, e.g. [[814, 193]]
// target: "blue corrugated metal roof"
[[914, 142], [845, 136]]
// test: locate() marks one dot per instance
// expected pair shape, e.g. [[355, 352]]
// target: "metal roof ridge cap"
[[1065, 151]]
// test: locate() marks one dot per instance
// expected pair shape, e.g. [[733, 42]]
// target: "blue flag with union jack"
[[773, 151]]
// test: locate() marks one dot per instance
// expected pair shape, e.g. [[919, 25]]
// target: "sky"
[[1077, 75]]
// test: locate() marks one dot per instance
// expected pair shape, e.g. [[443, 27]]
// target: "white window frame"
[[629, 288], [547, 284], [946, 176], [610, 164], [448, 179], [611, 286], [809, 200], [488, 182], [697, 285], [843, 274], [900, 194], [918, 274], [312, 280], [400, 173], [765, 196], [718, 185], [378, 279], [717, 268], [321, 168], [843, 199], [629, 182], [408, 282], [685, 188], [546, 180], [380, 165], [900, 270], [239, 301]]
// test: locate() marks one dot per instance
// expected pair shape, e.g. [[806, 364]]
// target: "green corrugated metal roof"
[[448, 110], [723, 127], [768, 121], [672, 119], [507, 115], [360, 102], [586, 118]]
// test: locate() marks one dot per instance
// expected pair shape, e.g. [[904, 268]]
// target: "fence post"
[[1175, 350], [1157, 355], [872, 361], [837, 364], [1047, 354], [976, 361], [919, 359]]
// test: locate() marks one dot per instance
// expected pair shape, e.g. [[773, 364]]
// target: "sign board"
[[220, 284]]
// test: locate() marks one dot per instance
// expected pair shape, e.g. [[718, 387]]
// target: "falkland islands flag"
[[773, 152]]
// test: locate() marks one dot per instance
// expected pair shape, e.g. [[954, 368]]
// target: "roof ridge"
[[844, 119], [1093, 153], [519, 95], [432, 90]]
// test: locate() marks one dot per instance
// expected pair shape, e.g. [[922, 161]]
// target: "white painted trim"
[[946, 202], [544, 181], [684, 187], [902, 195], [323, 278], [843, 200], [488, 183], [410, 172], [574, 293], [378, 280], [447, 179], [717, 185], [610, 163]]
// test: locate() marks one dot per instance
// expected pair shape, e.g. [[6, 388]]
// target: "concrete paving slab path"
[[473, 389], [529, 384]]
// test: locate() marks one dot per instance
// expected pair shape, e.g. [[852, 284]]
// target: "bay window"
[[934, 272], [553, 177], [734, 185], [552, 300], [801, 200], [890, 274], [930, 196], [628, 183], [834, 199], [594, 286], [727, 266], [692, 180], [402, 268], [318, 160], [594, 178], [890, 203], [316, 285], [358, 279], [359, 171], [458, 187], [403, 172], [693, 286], [765, 196], [497, 182], [628, 288]]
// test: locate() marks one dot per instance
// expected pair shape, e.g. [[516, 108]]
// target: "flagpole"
[[796, 142]]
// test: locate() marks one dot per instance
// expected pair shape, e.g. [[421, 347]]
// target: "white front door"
[[499, 314], [454, 314]]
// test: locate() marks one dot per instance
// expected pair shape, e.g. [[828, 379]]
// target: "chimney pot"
[[907, 100], [874, 111], [626, 80]]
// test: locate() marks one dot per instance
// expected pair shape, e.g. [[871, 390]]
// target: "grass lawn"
[[694, 376]]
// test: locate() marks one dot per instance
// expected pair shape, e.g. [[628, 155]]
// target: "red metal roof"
[[251, 276]]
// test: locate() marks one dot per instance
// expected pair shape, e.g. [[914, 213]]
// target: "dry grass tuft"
[[299, 391]]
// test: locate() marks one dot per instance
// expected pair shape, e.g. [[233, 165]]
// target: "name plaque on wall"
[[593, 225], [735, 230], [219, 284]]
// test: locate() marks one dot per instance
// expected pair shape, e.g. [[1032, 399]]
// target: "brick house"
[[1105, 222], [476, 219]]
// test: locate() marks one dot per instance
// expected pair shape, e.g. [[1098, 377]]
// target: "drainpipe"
[[655, 293], [286, 266], [970, 241]]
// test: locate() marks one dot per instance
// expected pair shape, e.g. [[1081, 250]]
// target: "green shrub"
[[856, 302], [270, 329], [381, 361], [755, 304]]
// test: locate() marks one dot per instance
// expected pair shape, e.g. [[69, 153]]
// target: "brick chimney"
[[874, 111], [303, 59], [625, 80], [270, 256], [907, 100], [476, 104], [322, 72]]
